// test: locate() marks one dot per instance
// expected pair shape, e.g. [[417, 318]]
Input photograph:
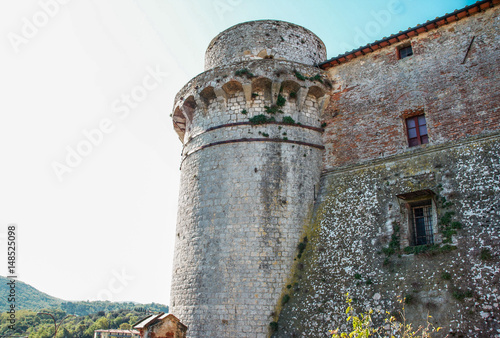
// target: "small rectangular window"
[[422, 224], [405, 51], [419, 219], [416, 128]]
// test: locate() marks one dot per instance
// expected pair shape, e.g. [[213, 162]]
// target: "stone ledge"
[[412, 152]]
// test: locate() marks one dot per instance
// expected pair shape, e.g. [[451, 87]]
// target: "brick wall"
[[374, 93]]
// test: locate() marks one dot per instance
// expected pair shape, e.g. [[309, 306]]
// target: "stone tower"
[[251, 161]]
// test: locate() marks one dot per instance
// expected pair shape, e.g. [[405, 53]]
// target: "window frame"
[[403, 48], [420, 139], [408, 202], [425, 235]]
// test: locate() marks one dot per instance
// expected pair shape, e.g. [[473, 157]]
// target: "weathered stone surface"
[[265, 39], [246, 189], [356, 214], [272, 228], [368, 163]]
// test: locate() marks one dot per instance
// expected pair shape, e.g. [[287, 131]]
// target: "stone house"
[[163, 325]]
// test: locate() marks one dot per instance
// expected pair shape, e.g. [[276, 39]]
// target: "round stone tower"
[[251, 130]]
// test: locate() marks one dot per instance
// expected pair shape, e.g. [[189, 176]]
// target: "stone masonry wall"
[[374, 93], [277, 221], [246, 189], [265, 39], [358, 216], [360, 237]]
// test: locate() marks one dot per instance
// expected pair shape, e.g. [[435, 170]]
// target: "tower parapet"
[[265, 39], [251, 129]]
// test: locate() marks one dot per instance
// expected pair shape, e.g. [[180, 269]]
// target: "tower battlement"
[[240, 91], [265, 39]]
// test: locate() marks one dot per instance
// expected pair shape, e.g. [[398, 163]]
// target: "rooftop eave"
[[410, 32]]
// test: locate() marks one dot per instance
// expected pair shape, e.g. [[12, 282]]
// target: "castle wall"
[[277, 221], [357, 215], [361, 237], [374, 93]]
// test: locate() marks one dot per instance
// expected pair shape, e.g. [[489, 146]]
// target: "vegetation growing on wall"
[[301, 77], [244, 72], [288, 120], [363, 325], [273, 109], [261, 119]]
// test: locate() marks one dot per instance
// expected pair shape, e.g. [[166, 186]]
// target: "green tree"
[[102, 323], [125, 326]]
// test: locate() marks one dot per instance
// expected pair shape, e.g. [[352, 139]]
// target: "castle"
[[375, 173]]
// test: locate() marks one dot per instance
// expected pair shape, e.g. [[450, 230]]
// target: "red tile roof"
[[429, 25]]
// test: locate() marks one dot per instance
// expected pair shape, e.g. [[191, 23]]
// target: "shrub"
[[362, 325], [244, 72], [299, 76], [273, 109], [485, 254], [446, 275], [446, 219], [261, 119], [274, 326], [288, 120], [459, 295], [281, 101]]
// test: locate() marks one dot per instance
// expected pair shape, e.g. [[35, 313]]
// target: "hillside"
[[33, 325], [29, 298]]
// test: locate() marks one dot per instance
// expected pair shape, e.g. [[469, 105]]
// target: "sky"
[[89, 160]]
